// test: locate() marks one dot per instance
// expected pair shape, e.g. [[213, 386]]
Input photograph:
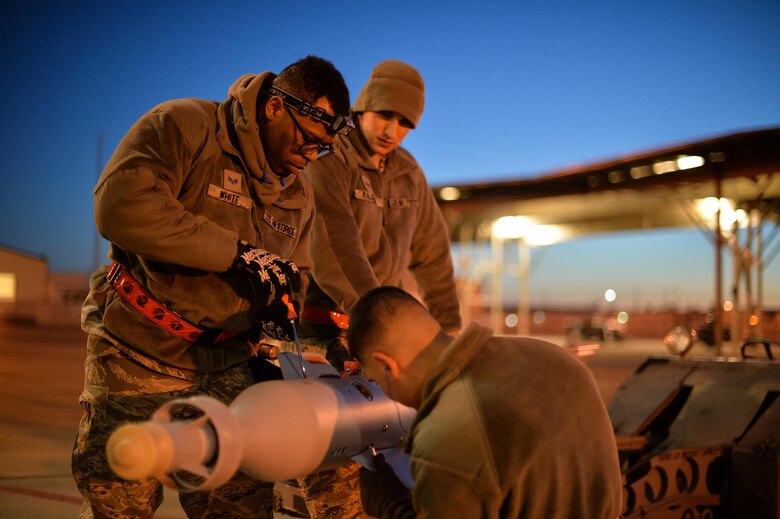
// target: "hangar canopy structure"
[[728, 186]]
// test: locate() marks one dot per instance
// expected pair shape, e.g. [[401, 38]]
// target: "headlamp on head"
[[334, 123]]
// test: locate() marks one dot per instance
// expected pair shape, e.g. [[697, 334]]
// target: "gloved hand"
[[270, 275], [382, 493], [337, 354], [275, 319]]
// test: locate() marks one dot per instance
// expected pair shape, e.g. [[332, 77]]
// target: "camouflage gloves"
[[271, 278]]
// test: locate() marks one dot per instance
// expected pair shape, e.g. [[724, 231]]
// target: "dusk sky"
[[514, 89]]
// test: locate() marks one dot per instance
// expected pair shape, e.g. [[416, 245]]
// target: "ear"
[[274, 107], [387, 362]]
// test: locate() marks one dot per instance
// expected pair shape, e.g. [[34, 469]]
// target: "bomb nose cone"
[[139, 451], [126, 454]]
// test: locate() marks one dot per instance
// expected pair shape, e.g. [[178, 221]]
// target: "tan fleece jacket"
[[371, 229], [512, 427], [183, 186]]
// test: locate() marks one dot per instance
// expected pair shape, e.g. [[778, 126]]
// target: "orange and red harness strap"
[[321, 315], [149, 307]]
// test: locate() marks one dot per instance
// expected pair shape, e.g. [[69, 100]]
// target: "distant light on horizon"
[[610, 295], [511, 320], [728, 306], [539, 317], [622, 317]]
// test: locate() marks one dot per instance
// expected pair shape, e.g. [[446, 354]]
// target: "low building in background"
[[30, 294]]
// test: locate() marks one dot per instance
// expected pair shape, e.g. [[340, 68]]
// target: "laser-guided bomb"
[[313, 419]]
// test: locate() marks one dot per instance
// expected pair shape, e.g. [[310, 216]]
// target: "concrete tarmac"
[[41, 377]]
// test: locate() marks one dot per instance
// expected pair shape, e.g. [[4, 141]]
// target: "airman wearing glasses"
[[209, 222], [314, 129], [377, 224]]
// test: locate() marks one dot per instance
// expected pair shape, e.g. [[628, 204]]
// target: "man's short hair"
[[371, 319], [313, 77]]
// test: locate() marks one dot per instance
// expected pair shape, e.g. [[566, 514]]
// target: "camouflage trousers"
[[118, 390], [333, 493]]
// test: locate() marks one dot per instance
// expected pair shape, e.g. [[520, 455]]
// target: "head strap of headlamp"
[[333, 123]]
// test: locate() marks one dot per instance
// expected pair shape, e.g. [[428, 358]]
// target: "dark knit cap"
[[394, 86]]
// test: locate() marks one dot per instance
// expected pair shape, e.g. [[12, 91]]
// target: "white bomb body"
[[273, 431]]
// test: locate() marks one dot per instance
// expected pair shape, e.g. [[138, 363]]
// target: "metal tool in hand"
[[291, 315]]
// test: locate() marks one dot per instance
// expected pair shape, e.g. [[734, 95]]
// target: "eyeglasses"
[[309, 145], [333, 123]]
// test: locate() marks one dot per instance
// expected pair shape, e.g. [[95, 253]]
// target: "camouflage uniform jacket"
[[187, 182], [512, 427], [372, 228]]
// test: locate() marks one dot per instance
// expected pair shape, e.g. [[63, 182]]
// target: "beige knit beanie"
[[394, 86]]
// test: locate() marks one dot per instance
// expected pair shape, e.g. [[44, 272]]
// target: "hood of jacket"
[[357, 142], [239, 133], [454, 359]]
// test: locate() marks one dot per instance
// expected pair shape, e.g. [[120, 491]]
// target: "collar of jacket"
[[453, 360], [362, 152], [239, 134]]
